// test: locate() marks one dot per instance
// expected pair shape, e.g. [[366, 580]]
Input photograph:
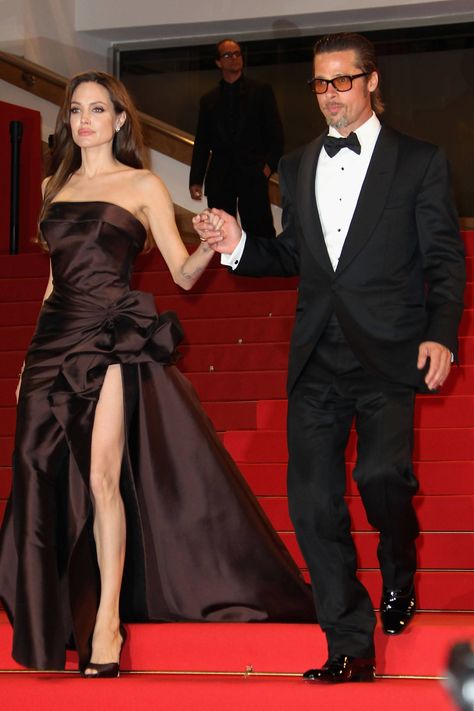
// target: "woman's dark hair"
[[127, 147], [365, 53]]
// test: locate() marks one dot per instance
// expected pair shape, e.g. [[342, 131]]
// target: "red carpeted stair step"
[[435, 513], [436, 589], [436, 478], [430, 411], [231, 304], [436, 551], [188, 306], [209, 386], [269, 647], [5, 484], [16, 338], [466, 350], [215, 357], [470, 268], [466, 327], [234, 357], [215, 280], [24, 266], [249, 385], [232, 415], [233, 692], [430, 444], [449, 484], [197, 331], [22, 289]]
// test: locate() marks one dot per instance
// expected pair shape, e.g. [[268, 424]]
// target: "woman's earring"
[[117, 129]]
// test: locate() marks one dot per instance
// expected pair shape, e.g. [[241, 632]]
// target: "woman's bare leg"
[[109, 516]]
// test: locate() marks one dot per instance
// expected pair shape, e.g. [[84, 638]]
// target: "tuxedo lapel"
[[307, 209], [372, 198]]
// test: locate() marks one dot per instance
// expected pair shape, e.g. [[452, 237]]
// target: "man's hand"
[[440, 363], [219, 229], [195, 192]]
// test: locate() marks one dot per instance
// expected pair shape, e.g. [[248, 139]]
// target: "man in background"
[[240, 127]]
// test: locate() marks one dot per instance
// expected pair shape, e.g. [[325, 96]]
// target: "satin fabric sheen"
[[198, 545]]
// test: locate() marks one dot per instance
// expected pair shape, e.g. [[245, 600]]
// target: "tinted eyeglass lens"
[[342, 83], [319, 86], [234, 55]]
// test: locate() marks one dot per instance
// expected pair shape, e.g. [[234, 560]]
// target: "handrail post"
[[16, 134]]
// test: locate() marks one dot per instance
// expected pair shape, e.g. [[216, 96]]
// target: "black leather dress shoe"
[[343, 668], [397, 609]]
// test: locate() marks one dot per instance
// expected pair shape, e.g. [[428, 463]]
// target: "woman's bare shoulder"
[[149, 181], [44, 184]]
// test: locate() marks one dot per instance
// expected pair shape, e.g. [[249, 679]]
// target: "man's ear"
[[373, 81]]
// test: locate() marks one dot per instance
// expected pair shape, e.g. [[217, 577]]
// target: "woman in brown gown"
[[124, 505]]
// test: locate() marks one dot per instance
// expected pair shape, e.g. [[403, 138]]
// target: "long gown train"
[[198, 545]]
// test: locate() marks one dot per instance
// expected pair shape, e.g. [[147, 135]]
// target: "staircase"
[[235, 353]]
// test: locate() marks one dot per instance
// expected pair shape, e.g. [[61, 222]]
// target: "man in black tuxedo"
[[239, 125], [370, 227]]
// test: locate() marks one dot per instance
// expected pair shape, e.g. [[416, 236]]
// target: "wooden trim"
[[33, 78], [50, 86]]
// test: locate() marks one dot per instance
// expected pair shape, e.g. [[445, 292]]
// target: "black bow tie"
[[333, 144]]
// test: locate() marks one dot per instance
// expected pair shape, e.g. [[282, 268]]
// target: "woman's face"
[[93, 119]]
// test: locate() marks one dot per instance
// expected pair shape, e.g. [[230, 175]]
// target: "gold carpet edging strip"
[[246, 674]]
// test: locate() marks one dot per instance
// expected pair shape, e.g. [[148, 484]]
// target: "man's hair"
[[221, 42], [365, 57]]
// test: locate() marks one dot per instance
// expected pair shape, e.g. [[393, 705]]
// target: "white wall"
[[69, 36], [94, 15], [44, 32], [12, 29]]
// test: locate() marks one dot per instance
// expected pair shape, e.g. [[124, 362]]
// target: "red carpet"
[[237, 334], [237, 652], [140, 693]]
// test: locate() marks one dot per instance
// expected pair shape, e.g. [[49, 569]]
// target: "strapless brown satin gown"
[[198, 545]]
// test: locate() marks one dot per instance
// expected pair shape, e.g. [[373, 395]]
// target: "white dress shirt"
[[338, 185]]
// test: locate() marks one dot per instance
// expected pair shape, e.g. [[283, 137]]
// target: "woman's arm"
[[158, 210]]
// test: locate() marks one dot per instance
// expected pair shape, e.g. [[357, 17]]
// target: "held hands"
[[218, 229], [440, 363]]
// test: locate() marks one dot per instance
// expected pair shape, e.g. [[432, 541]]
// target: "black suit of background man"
[[240, 127], [372, 326]]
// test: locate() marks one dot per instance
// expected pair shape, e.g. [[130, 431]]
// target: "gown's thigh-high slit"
[[107, 446]]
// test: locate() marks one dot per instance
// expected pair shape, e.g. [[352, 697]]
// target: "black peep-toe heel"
[[109, 670]]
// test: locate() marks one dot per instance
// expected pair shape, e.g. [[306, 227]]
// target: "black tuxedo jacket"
[[401, 274], [258, 139]]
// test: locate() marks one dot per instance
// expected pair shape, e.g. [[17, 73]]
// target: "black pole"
[[16, 134]]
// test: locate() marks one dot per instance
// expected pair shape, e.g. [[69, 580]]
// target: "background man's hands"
[[196, 192]]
